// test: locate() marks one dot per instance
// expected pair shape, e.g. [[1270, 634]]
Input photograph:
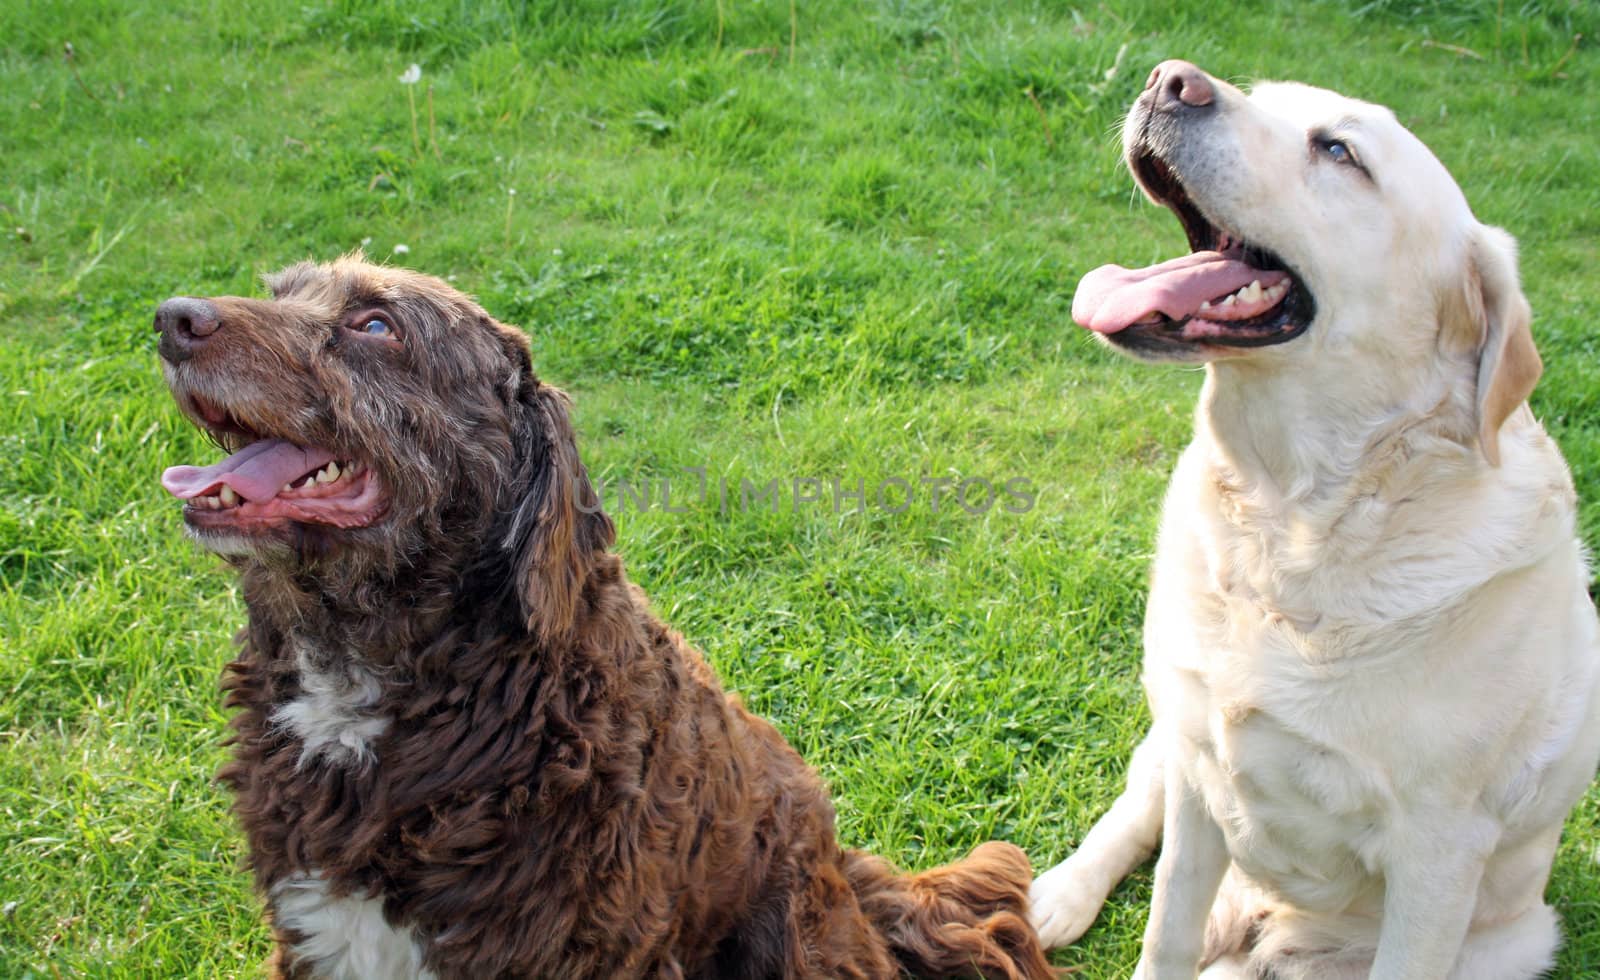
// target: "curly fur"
[[562, 789]]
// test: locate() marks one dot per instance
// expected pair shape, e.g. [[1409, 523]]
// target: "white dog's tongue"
[[256, 472], [1112, 298]]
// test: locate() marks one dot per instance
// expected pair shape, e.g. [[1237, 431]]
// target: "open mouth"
[[269, 482], [1227, 292]]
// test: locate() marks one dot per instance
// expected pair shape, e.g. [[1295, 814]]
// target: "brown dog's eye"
[[375, 326]]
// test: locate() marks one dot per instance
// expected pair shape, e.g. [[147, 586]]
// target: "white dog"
[[1370, 655]]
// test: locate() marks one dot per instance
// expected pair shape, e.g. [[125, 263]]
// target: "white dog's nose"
[[1180, 83]]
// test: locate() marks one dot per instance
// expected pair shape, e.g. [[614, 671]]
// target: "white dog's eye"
[[1336, 150]]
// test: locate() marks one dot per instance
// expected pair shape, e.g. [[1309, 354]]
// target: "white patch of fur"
[[345, 938], [227, 545], [332, 716]]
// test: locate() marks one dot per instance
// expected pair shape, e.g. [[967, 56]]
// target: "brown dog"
[[464, 745]]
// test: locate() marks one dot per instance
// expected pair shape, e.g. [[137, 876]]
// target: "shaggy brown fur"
[[535, 777]]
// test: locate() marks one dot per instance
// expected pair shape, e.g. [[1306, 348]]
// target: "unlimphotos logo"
[[973, 495]]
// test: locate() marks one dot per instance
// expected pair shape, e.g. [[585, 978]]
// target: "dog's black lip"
[[1288, 320], [1275, 327], [1162, 182]]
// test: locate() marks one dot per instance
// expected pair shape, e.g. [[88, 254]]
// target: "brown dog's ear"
[[1493, 317], [557, 531]]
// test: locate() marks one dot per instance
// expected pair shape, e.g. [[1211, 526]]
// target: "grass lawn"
[[826, 240]]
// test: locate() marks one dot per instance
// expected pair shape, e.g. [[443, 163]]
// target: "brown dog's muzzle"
[[220, 356]]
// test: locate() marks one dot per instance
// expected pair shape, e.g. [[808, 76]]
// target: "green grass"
[[854, 258]]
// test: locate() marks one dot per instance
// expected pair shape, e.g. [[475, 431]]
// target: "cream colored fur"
[[1370, 655]]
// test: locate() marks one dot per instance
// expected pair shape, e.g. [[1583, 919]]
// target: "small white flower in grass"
[[412, 75], [401, 249], [511, 200], [557, 252], [366, 241]]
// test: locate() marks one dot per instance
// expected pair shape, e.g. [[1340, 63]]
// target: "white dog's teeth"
[[1251, 293], [1227, 302], [227, 496], [1205, 305]]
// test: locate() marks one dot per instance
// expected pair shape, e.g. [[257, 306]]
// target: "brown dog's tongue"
[[1112, 298], [256, 472]]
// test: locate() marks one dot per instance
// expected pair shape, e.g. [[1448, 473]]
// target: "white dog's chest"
[[1305, 818], [1297, 766]]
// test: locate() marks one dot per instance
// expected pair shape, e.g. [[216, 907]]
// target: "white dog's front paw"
[[1063, 905], [1149, 971]]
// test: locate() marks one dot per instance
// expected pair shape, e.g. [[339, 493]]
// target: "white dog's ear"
[[1493, 318]]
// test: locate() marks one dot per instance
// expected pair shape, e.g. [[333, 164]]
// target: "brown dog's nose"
[[1178, 83], [185, 323]]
